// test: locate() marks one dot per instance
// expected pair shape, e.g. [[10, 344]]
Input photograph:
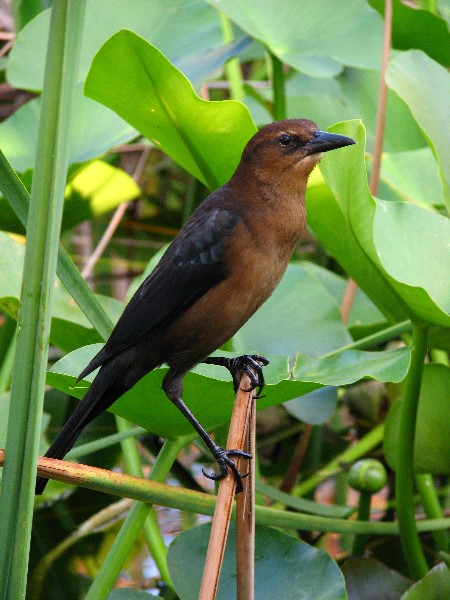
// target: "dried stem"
[[245, 520], [225, 496], [290, 477], [350, 291]]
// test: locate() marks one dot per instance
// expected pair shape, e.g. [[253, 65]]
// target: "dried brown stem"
[[290, 477], [245, 520], [225, 496], [380, 122]]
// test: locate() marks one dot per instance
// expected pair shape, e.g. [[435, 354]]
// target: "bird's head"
[[288, 149]]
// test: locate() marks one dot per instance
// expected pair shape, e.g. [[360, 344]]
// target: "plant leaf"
[[423, 84], [370, 579], [146, 404], [284, 567], [292, 32], [434, 586], [402, 265], [206, 138]]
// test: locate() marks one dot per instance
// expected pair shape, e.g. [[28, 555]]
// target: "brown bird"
[[195, 299]]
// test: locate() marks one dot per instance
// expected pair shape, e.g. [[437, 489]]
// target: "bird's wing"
[[193, 264]]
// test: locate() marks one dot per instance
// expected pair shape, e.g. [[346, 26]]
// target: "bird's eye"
[[285, 139]]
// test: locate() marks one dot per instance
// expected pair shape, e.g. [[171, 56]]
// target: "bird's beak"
[[324, 141]]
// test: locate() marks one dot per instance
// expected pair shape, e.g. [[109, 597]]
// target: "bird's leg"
[[172, 388], [251, 364]]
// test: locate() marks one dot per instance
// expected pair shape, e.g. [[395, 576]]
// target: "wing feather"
[[194, 263]]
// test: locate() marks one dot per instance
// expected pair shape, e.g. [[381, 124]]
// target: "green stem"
[[44, 223], [360, 541], [132, 526], [278, 87], [375, 339], [232, 67], [152, 532], [425, 485], [404, 484], [7, 349], [353, 453], [105, 442]]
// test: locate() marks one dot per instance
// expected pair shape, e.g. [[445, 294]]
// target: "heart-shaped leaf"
[[401, 265], [285, 567], [206, 138]]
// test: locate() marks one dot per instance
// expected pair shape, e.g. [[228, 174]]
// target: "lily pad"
[[285, 567]]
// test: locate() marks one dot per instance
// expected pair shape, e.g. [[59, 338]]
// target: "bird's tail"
[[97, 399]]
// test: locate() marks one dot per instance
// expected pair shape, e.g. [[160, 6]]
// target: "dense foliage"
[[151, 104]]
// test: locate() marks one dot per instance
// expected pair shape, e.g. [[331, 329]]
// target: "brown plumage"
[[195, 300]]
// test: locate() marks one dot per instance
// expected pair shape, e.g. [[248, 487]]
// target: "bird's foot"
[[225, 462], [250, 364]]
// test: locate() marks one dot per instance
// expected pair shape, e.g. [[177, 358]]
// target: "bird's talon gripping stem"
[[250, 364], [225, 462]]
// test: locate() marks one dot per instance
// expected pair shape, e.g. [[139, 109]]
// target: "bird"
[[221, 267]]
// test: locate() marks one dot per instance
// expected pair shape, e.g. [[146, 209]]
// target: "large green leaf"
[[432, 443], [285, 567], [425, 87], [329, 221], [208, 391], [292, 320], [197, 46], [403, 264], [179, 28], [206, 138], [303, 34], [411, 176]]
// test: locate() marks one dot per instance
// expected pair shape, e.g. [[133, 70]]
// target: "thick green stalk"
[[18, 198], [192, 501], [28, 380], [360, 541], [132, 527], [404, 483], [7, 349], [232, 67], [104, 442], [152, 531], [433, 509], [278, 88]]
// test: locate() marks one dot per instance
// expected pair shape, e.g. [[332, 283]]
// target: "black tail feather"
[[95, 401]]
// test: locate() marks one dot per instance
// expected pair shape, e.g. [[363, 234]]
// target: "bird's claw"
[[250, 364], [225, 462]]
